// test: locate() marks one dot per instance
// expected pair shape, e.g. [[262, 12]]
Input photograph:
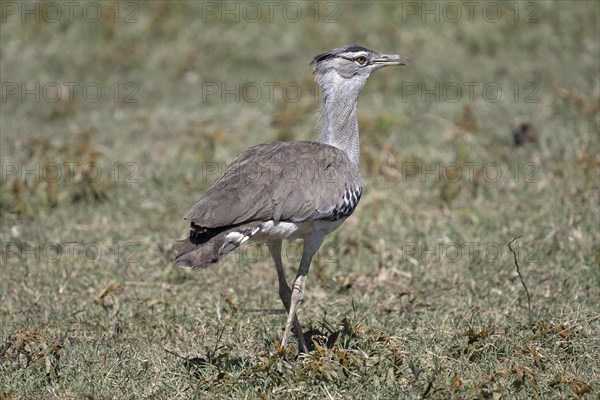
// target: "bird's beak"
[[390, 59]]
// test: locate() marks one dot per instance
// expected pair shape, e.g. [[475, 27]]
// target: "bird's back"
[[281, 181]]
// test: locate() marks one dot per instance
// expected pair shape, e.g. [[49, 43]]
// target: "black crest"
[[335, 52]]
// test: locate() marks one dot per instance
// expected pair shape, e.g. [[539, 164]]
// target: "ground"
[[115, 116]]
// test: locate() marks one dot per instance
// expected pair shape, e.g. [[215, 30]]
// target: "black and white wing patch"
[[344, 207], [206, 246]]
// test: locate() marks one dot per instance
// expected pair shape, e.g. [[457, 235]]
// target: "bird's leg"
[[285, 292], [312, 243]]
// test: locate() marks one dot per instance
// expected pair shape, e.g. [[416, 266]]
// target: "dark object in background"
[[525, 133]]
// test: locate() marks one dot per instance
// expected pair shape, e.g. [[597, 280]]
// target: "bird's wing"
[[281, 181]]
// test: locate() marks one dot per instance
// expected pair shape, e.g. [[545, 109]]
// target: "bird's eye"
[[361, 60]]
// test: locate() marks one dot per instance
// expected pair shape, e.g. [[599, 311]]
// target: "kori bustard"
[[291, 190]]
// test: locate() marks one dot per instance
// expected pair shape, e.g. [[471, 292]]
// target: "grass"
[[416, 296]]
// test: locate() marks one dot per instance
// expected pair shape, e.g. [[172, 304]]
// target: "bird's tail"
[[194, 253]]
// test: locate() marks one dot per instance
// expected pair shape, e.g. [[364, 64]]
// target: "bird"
[[291, 190], [524, 133]]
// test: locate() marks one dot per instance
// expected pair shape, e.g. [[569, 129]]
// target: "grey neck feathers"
[[338, 122]]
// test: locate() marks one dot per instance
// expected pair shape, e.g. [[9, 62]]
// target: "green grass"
[[416, 296]]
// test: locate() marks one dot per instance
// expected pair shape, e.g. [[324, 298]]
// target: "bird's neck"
[[338, 122]]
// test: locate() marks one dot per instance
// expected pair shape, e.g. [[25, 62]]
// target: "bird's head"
[[352, 63]]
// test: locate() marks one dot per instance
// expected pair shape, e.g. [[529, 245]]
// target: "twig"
[[521, 278], [174, 354]]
